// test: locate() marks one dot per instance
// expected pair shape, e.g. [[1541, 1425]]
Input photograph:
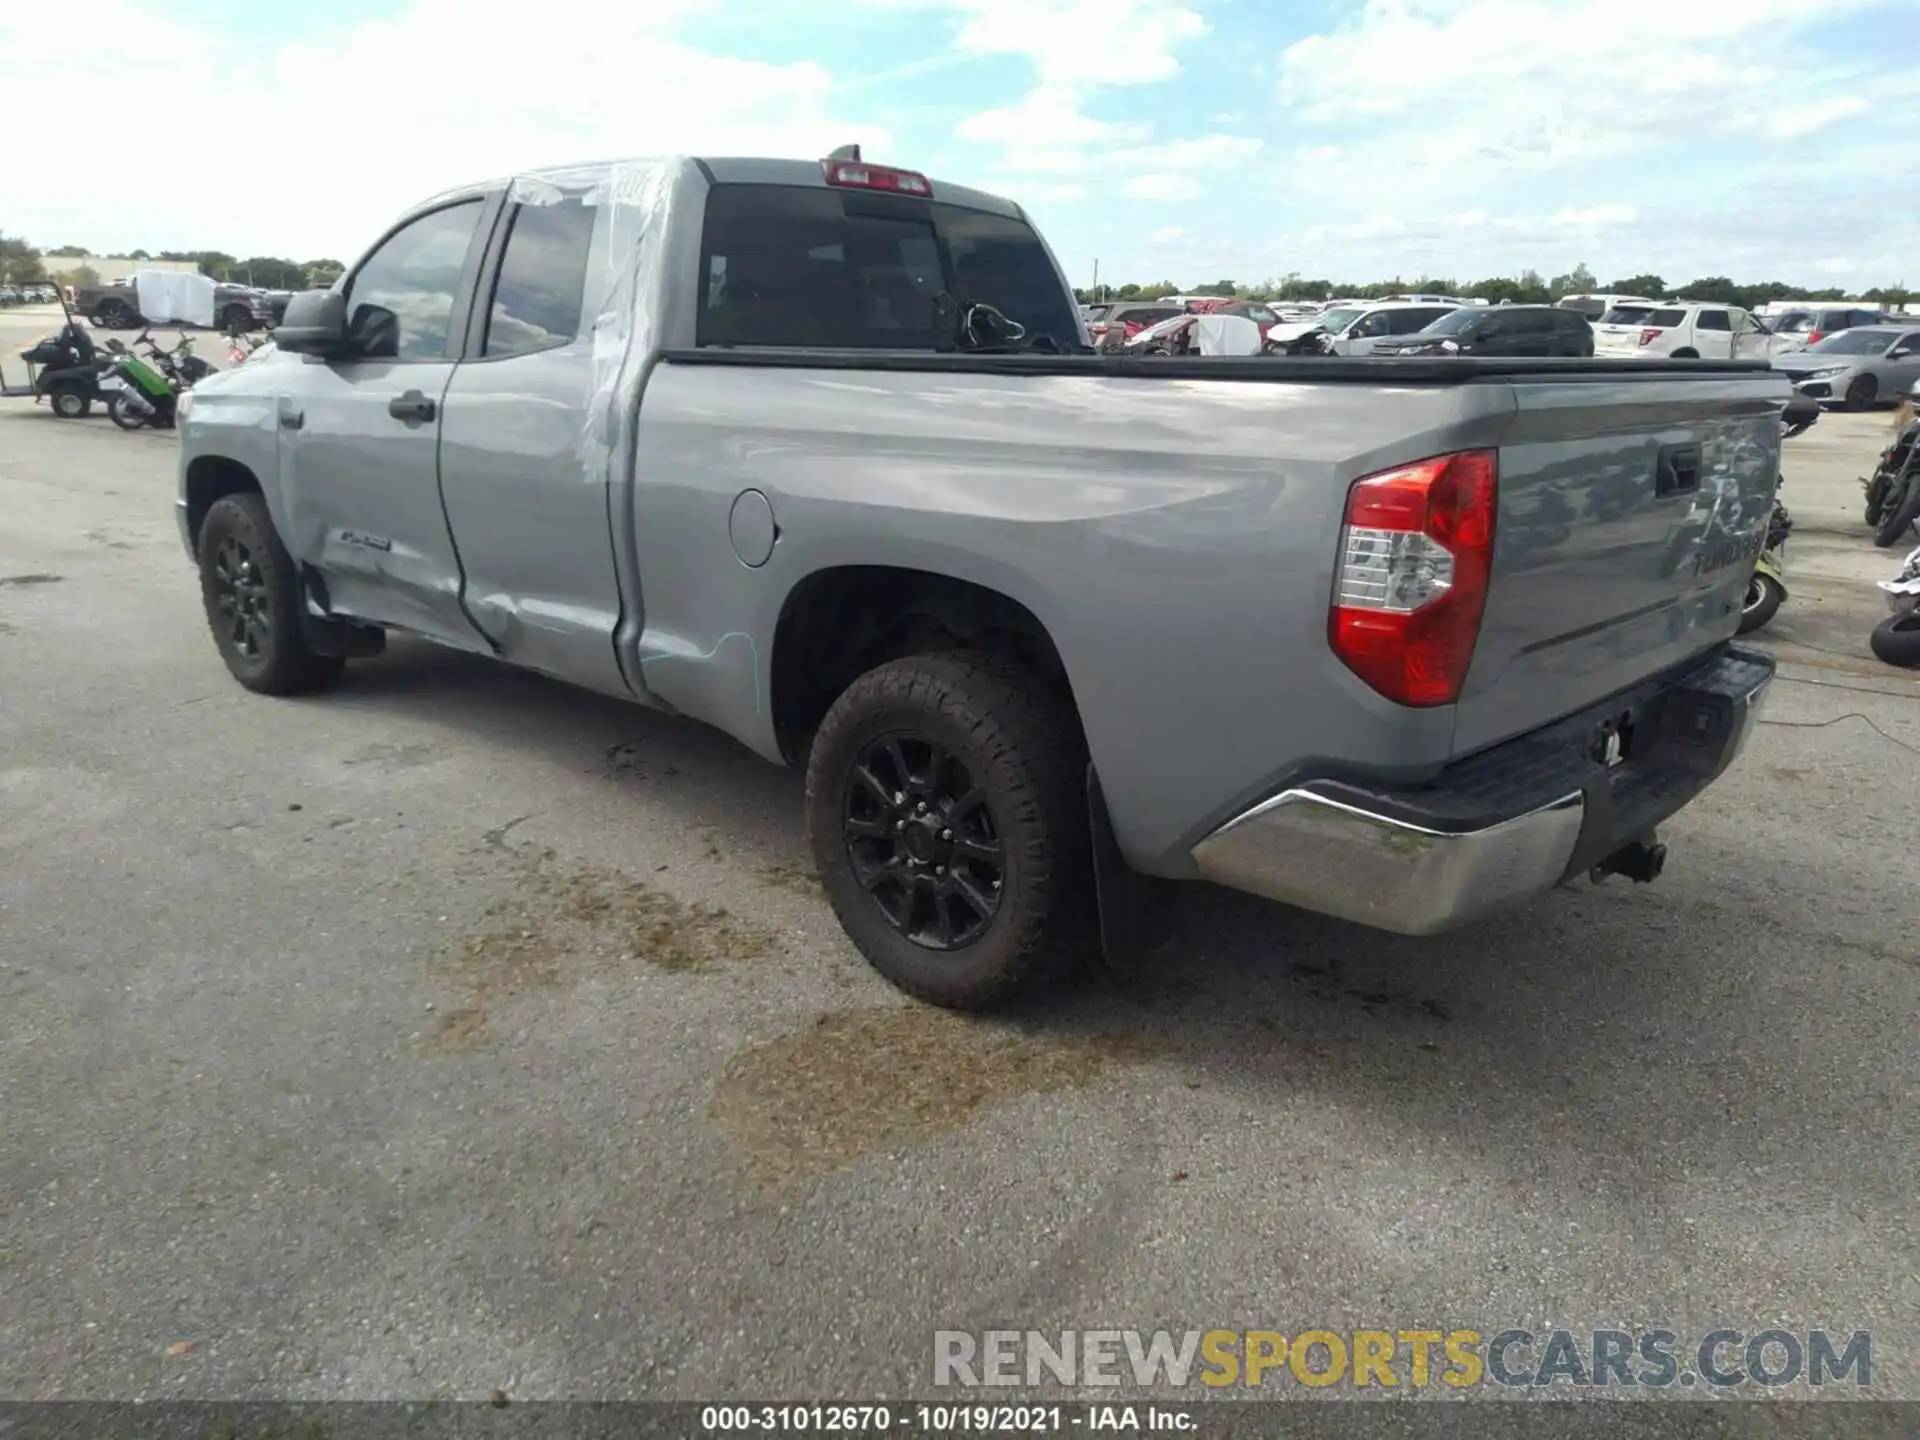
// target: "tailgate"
[[1632, 509], [1616, 339]]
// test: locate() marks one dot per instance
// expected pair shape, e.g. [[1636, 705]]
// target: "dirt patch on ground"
[[863, 1080], [561, 923]]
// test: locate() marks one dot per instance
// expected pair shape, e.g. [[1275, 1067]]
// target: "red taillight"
[[1814, 337], [1412, 583], [1650, 334], [858, 175]]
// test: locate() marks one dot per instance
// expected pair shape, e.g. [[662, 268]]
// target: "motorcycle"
[[1767, 586], [1893, 490], [1896, 639], [148, 395]]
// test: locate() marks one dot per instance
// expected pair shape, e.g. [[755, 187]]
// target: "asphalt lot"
[[458, 1031]]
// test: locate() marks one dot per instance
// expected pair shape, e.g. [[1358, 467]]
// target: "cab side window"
[[543, 278], [400, 300]]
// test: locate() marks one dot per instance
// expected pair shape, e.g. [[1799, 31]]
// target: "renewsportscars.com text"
[[1412, 1359]]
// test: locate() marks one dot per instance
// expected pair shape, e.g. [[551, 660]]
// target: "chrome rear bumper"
[[1324, 846]]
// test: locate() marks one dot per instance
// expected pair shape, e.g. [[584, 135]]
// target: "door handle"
[[412, 406], [1677, 471], [292, 419]]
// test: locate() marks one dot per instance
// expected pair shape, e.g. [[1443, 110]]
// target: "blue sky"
[[1179, 139]]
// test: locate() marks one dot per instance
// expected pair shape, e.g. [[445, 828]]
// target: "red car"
[[1131, 316]]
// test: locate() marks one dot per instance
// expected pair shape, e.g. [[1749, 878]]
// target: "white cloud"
[[1083, 42], [313, 148], [1048, 116], [1159, 185], [1167, 234]]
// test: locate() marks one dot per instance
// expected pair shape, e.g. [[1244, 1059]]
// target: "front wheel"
[[1896, 640], [252, 599], [1899, 510], [947, 809], [1861, 393], [1764, 596]]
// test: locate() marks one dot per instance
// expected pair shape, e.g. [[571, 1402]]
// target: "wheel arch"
[[840, 621], [209, 479]]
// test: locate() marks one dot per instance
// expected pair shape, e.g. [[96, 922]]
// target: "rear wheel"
[[236, 317], [1900, 510], [252, 599], [115, 315], [124, 413], [1685, 355], [1764, 596], [1862, 393], [946, 804], [1896, 640], [69, 401]]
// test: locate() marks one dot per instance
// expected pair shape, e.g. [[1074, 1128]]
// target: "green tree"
[[1653, 287], [1224, 289], [65, 252], [19, 261], [138, 255], [324, 272], [1577, 281], [1715, 289]]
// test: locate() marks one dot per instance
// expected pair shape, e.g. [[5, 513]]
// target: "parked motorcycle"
[[1893, 490], [148, 395], [1767, 587], [1896, 639]]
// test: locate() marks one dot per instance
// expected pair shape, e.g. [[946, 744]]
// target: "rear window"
[[1097, 312], [1628, 315], [794, 265], [1583, 305], [1664, 319], [1147, 314]]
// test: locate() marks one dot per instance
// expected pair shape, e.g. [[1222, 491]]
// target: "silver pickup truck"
[[815, 452]]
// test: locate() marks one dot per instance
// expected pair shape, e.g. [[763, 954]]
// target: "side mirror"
[[315, 324], [1903, 352]]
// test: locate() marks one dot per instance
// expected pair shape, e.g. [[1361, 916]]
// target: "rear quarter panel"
[[1176, 537]]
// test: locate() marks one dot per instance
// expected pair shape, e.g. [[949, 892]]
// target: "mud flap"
[[1137, 912]]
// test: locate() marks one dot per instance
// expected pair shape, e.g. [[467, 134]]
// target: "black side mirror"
[[315, 324]]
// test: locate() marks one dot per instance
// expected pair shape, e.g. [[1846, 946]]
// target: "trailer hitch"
[[1641, 862]]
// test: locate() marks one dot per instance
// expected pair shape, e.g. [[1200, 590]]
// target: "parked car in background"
[[1497, 330], [1683, 330], [117, 306], [1131, 316], [1595, 306], [1354, 330], [1858, 367], [1262, 315], [1797, 329]]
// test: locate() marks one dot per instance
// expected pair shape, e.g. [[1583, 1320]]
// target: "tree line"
[[1527, 288], [22, 263]]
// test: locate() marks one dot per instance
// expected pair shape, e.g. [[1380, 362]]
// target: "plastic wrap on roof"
[[636, 196]]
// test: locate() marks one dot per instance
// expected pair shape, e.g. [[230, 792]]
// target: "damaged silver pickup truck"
[[815, 452]]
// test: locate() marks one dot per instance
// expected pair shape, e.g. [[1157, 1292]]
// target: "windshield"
[[1334, 321], [1627, 315], [803, 266], [1458, 323], [1852, 342]]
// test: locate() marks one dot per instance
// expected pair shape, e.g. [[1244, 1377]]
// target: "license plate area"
[[1612, 741]]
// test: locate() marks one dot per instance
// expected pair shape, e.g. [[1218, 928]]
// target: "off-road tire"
[[1896, 640], [1019, 739], [282, 665]]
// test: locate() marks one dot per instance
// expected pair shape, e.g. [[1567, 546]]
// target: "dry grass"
[[886, 1080], [563, 923]]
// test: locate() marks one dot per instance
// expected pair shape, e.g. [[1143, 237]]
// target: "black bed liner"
[[1285, 369]]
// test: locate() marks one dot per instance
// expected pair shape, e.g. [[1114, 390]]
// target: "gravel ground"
[[458, 1031]]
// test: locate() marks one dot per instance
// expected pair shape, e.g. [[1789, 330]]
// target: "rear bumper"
[[1498, 828]]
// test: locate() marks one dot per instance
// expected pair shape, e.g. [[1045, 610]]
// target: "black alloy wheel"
[[242, 606], [923, 840]]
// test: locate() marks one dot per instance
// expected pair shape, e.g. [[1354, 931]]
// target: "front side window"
[[796, 265], [400, 301], [543, 276]]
